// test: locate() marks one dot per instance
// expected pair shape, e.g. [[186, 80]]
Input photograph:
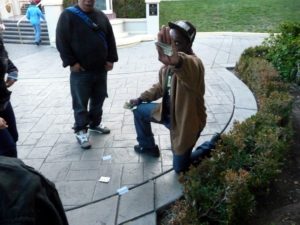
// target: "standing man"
[[86, 43], [34, 15], [8, 127], [181, 87]]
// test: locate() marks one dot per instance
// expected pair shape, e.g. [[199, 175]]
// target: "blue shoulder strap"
[[89, 22]]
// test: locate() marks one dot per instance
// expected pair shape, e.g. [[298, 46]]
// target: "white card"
[[107, 157], [122, 190], [104, 179]]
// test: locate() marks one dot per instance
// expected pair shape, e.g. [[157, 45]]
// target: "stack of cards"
[[104, 179], [167, 49], [127, 105]]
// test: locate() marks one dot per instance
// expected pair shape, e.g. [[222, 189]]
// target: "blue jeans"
[[88, 89], [145, 138], [9, 135], [37, 32]]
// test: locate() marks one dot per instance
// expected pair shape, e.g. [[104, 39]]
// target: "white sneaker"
[[83, 139]]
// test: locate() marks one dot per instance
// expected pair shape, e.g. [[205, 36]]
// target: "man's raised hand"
[[167, 52]]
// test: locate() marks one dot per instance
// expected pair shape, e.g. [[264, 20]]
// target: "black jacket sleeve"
[[11, 67], [112, 47], [27, 197], [63, 40]]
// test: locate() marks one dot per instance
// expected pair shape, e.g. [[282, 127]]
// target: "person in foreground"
[[181, 87], [8, 127], [27, 197], [86, 43]]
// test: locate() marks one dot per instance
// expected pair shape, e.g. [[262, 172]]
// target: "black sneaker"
[[100, 129], [148, 151]]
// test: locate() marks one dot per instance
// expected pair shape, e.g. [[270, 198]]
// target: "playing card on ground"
[[104, 179]]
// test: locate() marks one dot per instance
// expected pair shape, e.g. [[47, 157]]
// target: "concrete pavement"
[[42, 103]]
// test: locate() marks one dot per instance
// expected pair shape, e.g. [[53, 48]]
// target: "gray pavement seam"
[[116, 193], [143, 214]]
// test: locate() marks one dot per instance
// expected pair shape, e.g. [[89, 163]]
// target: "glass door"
[[104, 5]]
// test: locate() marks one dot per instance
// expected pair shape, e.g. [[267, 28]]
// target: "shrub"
[[67, 3], [257, 73], [257, 51], [284, 50], [260, 75], [278, 103], [122, 8], [224, 187], [129, 8], [240, 201]]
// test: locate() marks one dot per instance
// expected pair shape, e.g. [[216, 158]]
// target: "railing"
[[23, 2], [22, 18]]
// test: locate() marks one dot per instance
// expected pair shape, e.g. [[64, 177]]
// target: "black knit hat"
[[185, 27]]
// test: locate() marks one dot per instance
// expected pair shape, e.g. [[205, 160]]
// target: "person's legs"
[[204, 149], [8, 146], [142, 122], [80, 83], [8, 136], [37, 33], [81, 86], [98, 95], [181, 163], [11, 120]]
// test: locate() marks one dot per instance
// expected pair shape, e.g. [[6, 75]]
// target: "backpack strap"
[[89, 22]]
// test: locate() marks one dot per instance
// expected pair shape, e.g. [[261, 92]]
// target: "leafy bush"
[[224, 187], [67, 3], [129, 8], [278, 103], [284, 50], [122, 8], [259, 74], [257, 51]]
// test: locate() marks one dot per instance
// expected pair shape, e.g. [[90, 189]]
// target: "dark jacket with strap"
[[6, 66], [78, 43], [27, 197]]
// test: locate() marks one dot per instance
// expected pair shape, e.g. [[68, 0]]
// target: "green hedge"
[[284, 50], [67, 3], [223, 188], [122, 8], [129, 8]]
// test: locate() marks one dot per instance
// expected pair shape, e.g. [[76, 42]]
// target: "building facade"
[[12, 8]]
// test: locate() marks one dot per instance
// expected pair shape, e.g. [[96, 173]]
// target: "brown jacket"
[[188, 112]]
